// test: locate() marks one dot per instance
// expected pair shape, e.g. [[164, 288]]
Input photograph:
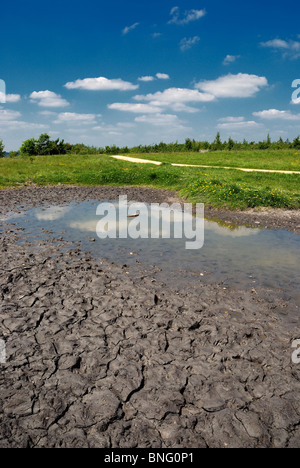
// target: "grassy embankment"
[[216, 187]]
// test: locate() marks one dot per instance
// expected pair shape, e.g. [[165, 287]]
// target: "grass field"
[[216, 187], [286, 160]]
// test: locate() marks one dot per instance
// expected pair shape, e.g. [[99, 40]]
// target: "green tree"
[[29, 147], [296, 143], [217, 144], [2, 152], [188, 144], [43, 145], [230, 144]]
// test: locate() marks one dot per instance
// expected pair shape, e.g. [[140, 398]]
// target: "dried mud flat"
[[99, 357]]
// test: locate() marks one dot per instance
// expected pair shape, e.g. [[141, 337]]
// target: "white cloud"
[[71, 117], [47, 113], [273, 114], [117, 129], [230, 59], [48, 99], [239, 125], [8, 115], [12, 98], [125, 125], [176, 99], [130, 28], [101, 84], [188, 43], [146, 78], [162, 76], [239, 86], [187, 17], [158, 76], [276, 44], [289, 49], [159, 119], [232, 119], [135, 108], [9, 122], [21, 125]]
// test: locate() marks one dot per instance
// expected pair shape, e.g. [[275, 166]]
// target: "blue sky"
[[133, 72]]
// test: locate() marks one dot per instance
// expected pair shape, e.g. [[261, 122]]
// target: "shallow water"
[[239, 257]]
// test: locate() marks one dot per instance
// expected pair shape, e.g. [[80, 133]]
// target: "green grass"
[[287, 160], [215, 187]]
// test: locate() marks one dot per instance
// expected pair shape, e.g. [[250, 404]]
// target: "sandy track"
[[159, 163]]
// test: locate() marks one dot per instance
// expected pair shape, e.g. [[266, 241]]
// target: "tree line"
[[45, 146]]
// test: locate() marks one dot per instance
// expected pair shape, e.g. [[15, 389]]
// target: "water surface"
[[237, 256]]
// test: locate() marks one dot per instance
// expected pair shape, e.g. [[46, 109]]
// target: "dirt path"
[[159, 163]]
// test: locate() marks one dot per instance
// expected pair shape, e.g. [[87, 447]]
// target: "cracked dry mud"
[[98, 357]]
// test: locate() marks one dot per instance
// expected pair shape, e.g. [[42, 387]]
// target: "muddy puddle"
[[236, 256]]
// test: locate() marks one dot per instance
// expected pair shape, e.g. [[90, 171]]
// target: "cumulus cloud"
[[162, 76], [158, 76], [47, 113], [233, 86], [289, 49], [188, 43], [21, 125], [101, 84], [130, 28], [12, 98], [116, 130], [187, 17], [146, 78], [230, 59], [232, 119], [72, 117], [134, 108], [239, 125], [176, 99], [8, 115], [9, 121], [273, 114], [276, 44], [48, 99], [159, 119]]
